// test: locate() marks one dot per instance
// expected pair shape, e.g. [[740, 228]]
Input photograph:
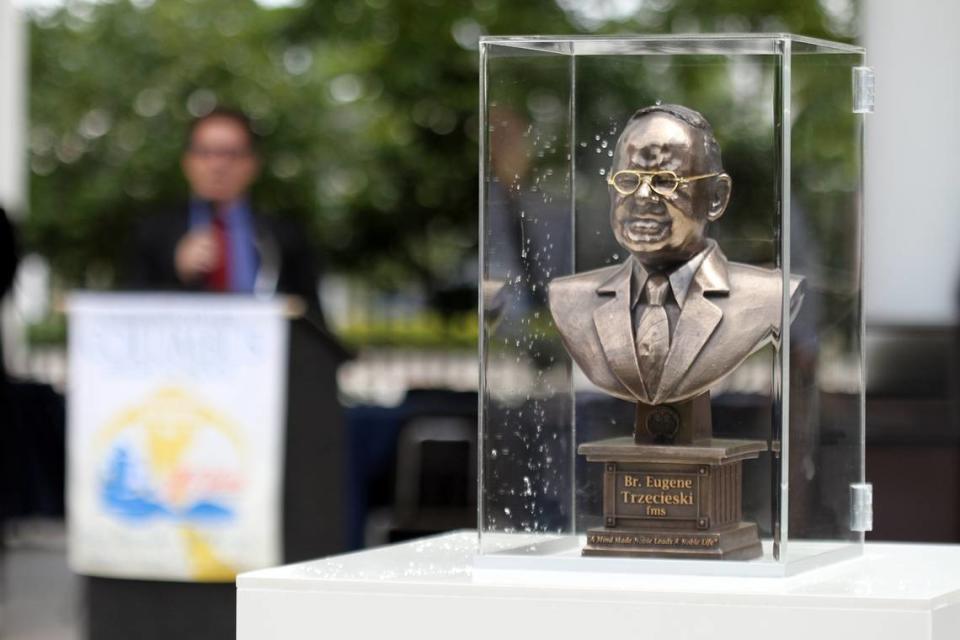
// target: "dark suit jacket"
[[287, 262], [281, 244]]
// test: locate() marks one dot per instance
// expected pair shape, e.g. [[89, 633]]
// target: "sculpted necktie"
[[653, 333]]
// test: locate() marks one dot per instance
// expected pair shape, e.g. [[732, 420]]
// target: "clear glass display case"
[[787, 114]]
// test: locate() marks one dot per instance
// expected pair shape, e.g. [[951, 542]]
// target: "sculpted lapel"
[[698, 320], [614, 324]]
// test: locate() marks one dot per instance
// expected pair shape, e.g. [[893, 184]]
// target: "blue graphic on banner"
[[140, 502]]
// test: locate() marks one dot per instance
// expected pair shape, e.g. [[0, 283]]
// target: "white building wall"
[[13, 125], [13, 107], [913, 163]]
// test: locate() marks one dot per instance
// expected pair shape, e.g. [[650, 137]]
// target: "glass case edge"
[[515, 40], [573, 268], [481, 333], [861, 215], [785, 267]]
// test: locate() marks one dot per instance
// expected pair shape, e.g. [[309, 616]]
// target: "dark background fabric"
[[8, 267]]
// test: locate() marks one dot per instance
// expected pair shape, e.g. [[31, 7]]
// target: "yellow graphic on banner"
[[174, 459], [203, 560]]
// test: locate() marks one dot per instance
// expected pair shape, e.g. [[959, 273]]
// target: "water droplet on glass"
[[603, 172], [583, 144], [610, 153], [506, 510], [658, 102], [604, 144], [597, 137]]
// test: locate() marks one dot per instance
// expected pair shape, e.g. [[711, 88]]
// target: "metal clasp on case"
[[861, 506], [864, 89]]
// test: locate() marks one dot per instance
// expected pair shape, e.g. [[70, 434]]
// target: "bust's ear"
[[719, 196]]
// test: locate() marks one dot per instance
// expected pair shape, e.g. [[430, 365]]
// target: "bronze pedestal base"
[[673, 500]]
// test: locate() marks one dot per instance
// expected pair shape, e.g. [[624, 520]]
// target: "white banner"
[[176, 407]]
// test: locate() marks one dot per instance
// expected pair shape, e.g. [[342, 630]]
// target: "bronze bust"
[[676, 316]]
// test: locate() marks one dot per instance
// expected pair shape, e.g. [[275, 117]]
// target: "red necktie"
[[219, 279]]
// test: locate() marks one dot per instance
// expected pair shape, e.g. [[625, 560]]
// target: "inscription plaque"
[[651, 495], [628, 539]]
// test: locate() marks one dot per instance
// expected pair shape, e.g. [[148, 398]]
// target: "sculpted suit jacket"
[[730, 310]]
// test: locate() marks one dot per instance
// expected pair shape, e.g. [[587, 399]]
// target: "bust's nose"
[[644, 192]]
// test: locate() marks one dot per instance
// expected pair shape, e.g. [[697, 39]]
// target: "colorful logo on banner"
[[174, 459]]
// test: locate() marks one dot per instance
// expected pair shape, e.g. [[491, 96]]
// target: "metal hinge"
[[861, 506], [864, 89]]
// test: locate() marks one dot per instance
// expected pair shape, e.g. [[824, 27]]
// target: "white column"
[[13, 137], [913, 163], [13, 108]]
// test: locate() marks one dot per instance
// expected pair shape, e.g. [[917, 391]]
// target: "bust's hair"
[[688, 116]]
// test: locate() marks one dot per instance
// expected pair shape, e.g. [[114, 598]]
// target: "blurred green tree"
[[368, 110]]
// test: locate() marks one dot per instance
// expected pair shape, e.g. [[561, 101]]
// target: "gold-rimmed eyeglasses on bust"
[[665, 183]]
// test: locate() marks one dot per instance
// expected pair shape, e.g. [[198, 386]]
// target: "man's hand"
[[196, 255]]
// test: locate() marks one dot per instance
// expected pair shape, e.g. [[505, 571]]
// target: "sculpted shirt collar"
[[682, 277]]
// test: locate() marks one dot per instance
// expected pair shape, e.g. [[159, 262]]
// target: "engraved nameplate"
[[657, 495]]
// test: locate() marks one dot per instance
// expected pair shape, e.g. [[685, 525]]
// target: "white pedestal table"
[[430, 589]]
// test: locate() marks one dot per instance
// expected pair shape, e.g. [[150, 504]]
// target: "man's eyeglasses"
[[665, 183], [226, 153]]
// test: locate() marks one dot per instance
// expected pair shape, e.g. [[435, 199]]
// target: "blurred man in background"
[[217, 242]]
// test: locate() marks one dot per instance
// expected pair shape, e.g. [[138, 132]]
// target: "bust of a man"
[[676, 316]]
